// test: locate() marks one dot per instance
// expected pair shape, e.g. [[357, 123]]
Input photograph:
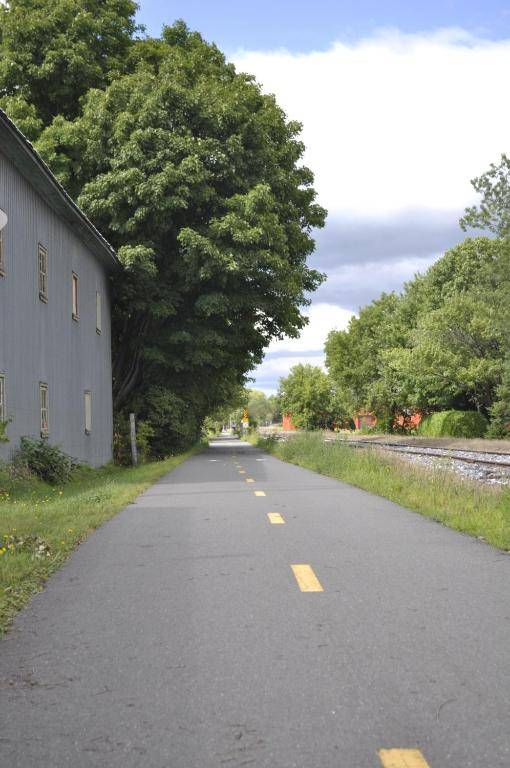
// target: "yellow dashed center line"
[[259, 493], [275, 518], [249, 480], [306, 578], [241, 471], [402, 758]]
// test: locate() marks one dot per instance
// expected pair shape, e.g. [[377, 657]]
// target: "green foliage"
[[442, 343], [231, 412], [46, 461], [260, 408], [353, 357], [500, 410], [195, 176], [122, 440], [275, 408], [3, 431], [175, 421], [453, 424], [493, 213], [457, 353], [53, 51], [306, 394], [23, 114]]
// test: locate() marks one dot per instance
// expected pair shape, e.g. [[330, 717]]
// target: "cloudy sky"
[[401, 106]]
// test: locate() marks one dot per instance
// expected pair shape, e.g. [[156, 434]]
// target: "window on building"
[[3, 407], [2, 254], [98, 313], [87, 399], [75, 295], [45, 414], [42, 255]]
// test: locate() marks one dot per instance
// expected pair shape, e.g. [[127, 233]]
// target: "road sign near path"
[[306, 624]]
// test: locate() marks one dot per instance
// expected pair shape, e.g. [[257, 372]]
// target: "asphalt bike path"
[[247, 612]]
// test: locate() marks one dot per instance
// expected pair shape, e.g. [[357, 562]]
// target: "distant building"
[[409, 420], [55, 341], [365, 420], [287, 424]]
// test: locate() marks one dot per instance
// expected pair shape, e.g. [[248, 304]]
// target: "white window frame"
[[2, 254], [42, 269], [87, 403], [74, 296], [98, 313], [3, 406], [44, 409]]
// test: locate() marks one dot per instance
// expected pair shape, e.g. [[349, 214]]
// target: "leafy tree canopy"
[[306, 393], [261, 410], [443, 343], [193, 175], [53, 51], [260, 407]]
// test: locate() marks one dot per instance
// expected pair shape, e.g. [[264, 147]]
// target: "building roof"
[[17, 148]]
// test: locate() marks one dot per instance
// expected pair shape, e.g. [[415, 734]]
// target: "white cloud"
[[395, 126], [395, 121], [321, 319], [268, 373], [309, 348]]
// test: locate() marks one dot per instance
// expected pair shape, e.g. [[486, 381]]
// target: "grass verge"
[[41, 524], [466, 506]]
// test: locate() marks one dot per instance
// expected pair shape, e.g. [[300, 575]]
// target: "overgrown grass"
[[466, 506], [41, 524]]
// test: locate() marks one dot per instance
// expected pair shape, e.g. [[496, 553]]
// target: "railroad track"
[[485, 458], [469, 457]]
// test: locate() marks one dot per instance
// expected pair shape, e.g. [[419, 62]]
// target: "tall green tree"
[[276, 408], [457, 356], [354, 358], [306, 393], [260, 408], [195, 177]]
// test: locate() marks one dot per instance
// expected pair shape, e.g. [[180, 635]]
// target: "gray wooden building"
[[55, 340]]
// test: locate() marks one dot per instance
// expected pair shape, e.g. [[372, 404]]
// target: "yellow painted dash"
[[402, 758], [259, 493], [306, 578], [242, 471], [275, 518], [250, 480]]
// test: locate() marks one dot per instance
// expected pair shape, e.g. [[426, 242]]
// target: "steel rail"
[[446, 453]]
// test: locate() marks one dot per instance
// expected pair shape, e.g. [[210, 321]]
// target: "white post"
[[132, 431]]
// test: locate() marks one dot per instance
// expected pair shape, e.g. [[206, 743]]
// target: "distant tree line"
[[194, 176], [262, 410], [442, 343]]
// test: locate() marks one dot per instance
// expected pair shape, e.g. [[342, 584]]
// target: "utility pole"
[[132, 432]]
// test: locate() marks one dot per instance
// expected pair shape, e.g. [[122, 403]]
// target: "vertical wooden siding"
[[41, 342]]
